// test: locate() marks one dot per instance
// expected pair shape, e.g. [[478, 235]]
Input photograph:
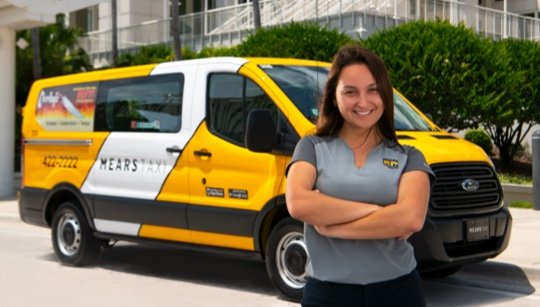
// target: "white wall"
[[132, 12], [518, 6], [7, 116]]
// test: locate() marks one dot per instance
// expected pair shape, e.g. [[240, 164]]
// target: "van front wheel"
[[72, 238], [286, 258]]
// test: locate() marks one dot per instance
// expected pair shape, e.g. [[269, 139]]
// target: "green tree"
[[60, 54], [511, 116], [442, 68]]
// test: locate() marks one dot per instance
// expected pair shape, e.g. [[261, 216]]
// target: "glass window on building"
[[86, 19]]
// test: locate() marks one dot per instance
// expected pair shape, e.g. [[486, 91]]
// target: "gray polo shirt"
[[358, 261]]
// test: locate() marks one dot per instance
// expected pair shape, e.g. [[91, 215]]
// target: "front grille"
[[448, 197]]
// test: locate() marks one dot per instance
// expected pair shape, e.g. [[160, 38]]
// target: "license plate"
[[477, 229]]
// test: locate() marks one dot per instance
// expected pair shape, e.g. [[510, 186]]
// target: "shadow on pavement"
[[481, 284], [245, 274]]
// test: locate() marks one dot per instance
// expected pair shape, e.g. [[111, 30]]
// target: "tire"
[[73, 241], [441, 273], [286, 258]]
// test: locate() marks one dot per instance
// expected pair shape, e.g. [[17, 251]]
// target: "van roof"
[[241, 61], [148, 68]]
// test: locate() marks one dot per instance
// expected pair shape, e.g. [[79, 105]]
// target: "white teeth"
[[362, 113]]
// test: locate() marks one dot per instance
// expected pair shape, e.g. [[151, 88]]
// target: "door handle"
[[174, 149], [202, 153]]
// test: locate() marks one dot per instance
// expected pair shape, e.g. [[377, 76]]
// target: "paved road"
[[136, 275]]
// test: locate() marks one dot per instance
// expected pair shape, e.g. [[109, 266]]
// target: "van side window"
[[230, 99], [149, 104]]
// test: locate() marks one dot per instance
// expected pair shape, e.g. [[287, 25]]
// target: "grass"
[[521, 173], [521, 204], [515, 178]]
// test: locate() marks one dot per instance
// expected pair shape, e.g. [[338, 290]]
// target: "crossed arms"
[[345, 219]]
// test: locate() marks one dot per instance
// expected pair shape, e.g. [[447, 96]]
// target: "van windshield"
[[304, 85]]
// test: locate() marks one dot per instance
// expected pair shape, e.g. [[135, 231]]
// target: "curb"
[[517, 192]]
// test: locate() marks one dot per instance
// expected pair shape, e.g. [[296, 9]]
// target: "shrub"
[[217, 51], [294, 40], [146, 55], [444, 69], [480, 138]]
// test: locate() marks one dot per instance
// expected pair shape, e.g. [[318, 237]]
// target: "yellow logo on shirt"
[[390, 163]]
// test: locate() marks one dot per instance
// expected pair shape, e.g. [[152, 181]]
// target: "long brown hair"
[[330, 119]]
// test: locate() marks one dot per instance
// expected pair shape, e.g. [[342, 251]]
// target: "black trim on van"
[[140, 211], [31, 203], [237, 222]]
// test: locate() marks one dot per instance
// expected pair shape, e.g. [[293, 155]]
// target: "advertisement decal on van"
[[67, 108]]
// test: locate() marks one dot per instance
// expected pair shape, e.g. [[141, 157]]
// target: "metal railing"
[[229, 26]]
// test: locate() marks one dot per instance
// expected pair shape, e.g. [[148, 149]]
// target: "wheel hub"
[[292, 257], [69, 235], [296, 259]]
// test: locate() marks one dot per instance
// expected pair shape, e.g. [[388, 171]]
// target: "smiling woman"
[[355, 208]]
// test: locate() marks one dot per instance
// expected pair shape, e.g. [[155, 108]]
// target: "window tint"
[[302, 84], [406, 118], [150, 104], [230, 99]]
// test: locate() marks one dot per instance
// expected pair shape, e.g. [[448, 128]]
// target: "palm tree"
[[256, 14], [36, 54], [114, 26], [177, 45]]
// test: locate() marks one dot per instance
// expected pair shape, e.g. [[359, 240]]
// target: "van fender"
[[272, 212], [66, 192]]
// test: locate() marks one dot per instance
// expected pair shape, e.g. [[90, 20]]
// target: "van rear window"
[[143, 104]]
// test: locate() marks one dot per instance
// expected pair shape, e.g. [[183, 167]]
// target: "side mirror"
[[261, 132]]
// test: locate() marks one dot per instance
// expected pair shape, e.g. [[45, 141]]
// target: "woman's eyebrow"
[[348, 86]]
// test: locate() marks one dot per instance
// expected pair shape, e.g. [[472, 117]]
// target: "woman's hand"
[[322, 230], [405, 236]]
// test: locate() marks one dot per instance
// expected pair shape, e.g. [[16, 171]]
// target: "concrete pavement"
[[516, 270]]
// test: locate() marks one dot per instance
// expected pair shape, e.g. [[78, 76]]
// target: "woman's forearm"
[[308, 205], [387, 223], [317, 208], [398, 220]]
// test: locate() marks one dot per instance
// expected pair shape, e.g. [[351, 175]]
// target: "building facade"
[[217, 23]]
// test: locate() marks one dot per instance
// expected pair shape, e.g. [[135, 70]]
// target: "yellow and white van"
[[193, 153]]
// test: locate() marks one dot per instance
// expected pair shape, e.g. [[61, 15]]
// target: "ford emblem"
[[470, 185]]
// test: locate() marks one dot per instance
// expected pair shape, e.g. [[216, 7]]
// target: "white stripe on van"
[[133, 165], [136, 164], [117, 227]]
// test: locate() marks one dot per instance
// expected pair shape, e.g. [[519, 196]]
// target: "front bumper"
[[445, 242], [31, 206]]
